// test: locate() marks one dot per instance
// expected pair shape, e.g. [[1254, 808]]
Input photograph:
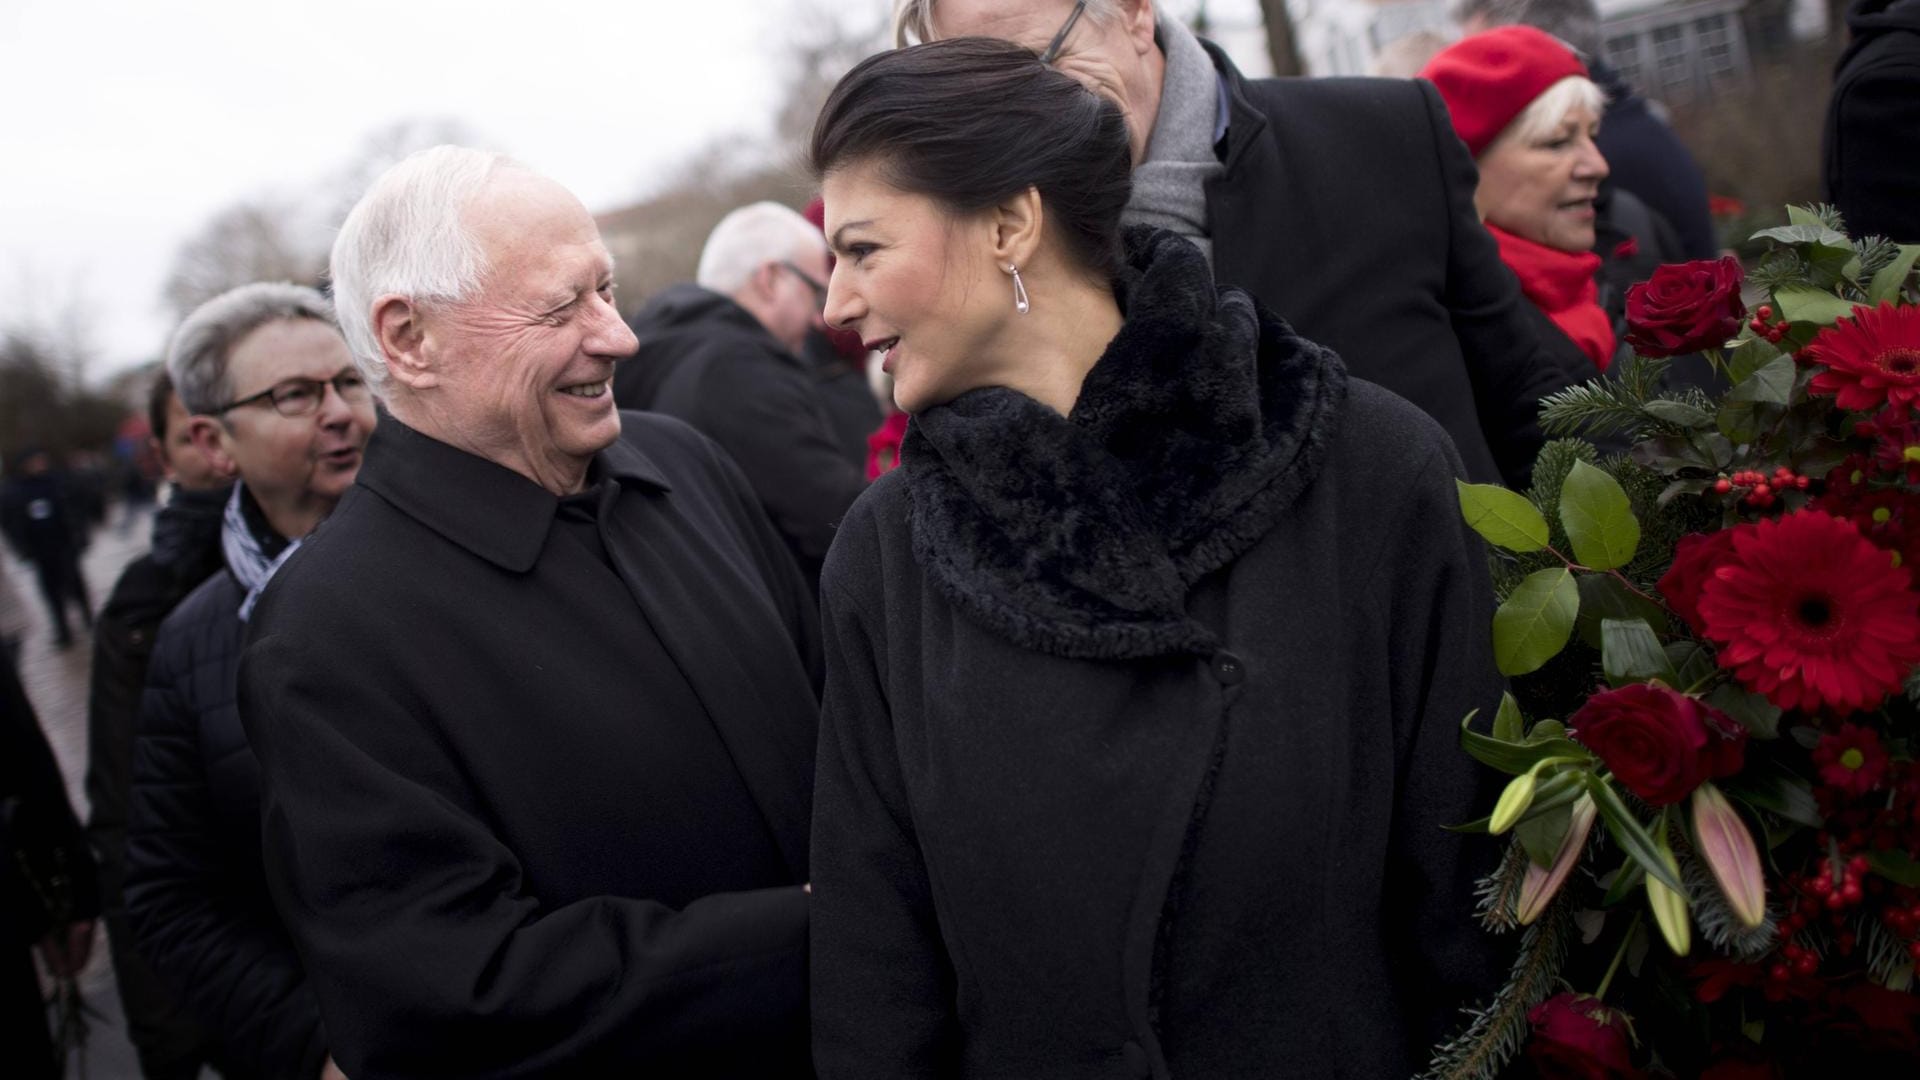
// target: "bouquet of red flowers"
[[1713, 640]]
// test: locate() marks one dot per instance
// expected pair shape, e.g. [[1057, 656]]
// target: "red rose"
[[1693, 562], [1576, 1036], [1686, 307], [1659, 743]]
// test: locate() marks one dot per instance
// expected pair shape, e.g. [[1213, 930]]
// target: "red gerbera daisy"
[[1896, 445], [1812, 615], [1851, 760], [1887, 516], [1872, 358]]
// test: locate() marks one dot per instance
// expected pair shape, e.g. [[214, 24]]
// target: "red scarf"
[[1562, 284]]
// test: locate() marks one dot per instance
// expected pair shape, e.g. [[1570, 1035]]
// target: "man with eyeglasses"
[[727, 355], [275, 403], [1345, 205]]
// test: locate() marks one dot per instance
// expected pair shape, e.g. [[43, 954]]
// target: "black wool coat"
[[1871, 149], [1141, 724], [488, 856], [196, 885], [706, 360], [1347, 207]]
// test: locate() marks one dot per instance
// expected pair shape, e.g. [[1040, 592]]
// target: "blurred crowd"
[[512, 689]]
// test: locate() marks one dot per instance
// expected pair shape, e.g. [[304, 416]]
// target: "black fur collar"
[[1081, 535]]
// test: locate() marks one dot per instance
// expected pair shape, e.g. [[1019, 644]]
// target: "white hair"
[[751, 237], [405, 238], [913, 19], [1543, 115], [198, 357]]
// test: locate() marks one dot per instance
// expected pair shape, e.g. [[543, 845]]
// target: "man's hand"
[[330, 1071], [65, 951]]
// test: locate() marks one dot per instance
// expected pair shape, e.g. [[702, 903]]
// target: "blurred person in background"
[[185, 551], [536, 709], [1346, 205], [14, 619], [840, 366], [1872, 144], [1644, 155], [1524, 106], [727, 354], [275, 401], [48, 528], [48, 890]]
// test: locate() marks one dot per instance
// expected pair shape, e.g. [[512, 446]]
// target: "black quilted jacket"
[[195, 891]]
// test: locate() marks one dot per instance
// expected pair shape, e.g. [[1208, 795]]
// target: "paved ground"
[[56, 680]]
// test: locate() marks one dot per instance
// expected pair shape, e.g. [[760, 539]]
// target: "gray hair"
[[913, 19], [197, 359], [1576, 22], [1543, 114], [750, 237], [405, 238]]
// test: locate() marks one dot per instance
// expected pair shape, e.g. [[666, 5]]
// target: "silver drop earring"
[[1020, 303]]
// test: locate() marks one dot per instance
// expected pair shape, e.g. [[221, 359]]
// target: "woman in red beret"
[[1522, 102]]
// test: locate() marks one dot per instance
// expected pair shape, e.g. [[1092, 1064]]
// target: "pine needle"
[[1614, 402], [1497, 1032]]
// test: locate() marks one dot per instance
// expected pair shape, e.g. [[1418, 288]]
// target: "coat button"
[[1134, 1059], [1229, 669]]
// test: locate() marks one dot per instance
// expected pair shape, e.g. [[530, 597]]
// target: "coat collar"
[[1245, 122], [488, 509], [1081, 535]]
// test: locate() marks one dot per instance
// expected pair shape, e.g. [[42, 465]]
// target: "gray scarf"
[[1170, 186], [245, 557]]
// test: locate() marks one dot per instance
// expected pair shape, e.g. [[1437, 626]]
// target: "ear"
[[764, 281], [1017, 223], [209, 436], [1137, 19], [399, 325]]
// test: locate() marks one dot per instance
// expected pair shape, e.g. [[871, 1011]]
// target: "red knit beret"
[[1488, 79]]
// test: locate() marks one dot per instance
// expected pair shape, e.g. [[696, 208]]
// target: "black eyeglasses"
[[302, 397], [819, 290], [1059, 39]]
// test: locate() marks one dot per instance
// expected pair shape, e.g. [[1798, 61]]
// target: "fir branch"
[[1497, 1032], [1888, 962], [1714, 916], [1550, 468], [1614, 402], [1781, 267], [1497, 895], [1874, 253]]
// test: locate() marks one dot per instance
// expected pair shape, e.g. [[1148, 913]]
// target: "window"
[[1623, 55], [1672, 75], [1713, 39]]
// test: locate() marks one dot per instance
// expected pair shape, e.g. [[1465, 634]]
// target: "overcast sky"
[[126, 125]]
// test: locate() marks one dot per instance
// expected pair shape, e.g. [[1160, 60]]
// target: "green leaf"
[[1692, 665], [1546, 729], [1563, 788], [1630, 653], [1541, 835], [1598, 518], [1804, 303], [1759, 716], [1771, 385], [1681, 413], [1804, 215], [1603, 596], [1887, 283], [1533, 625], [1763, 785], [1516, 759], [1509, 725], [1625, 880], [1806, 233], [1752, 355], [1896, 866], [1504, 518], [1633, 837]]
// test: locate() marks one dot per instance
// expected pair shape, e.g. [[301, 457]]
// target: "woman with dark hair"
[[1146, 666]]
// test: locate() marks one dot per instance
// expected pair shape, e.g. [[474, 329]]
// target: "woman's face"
[[919, 282], [1543, 189]]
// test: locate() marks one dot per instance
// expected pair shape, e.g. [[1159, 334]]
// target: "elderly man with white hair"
[[726, 354], [536, 709]]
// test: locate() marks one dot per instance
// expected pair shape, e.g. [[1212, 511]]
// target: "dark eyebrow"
[[839, 233]]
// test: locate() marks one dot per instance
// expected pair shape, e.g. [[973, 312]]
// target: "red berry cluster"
[[1760, 326], [1758, 489]]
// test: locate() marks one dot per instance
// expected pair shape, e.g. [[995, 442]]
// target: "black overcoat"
[[1347, 207], [485, 856], [1141, 726]]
